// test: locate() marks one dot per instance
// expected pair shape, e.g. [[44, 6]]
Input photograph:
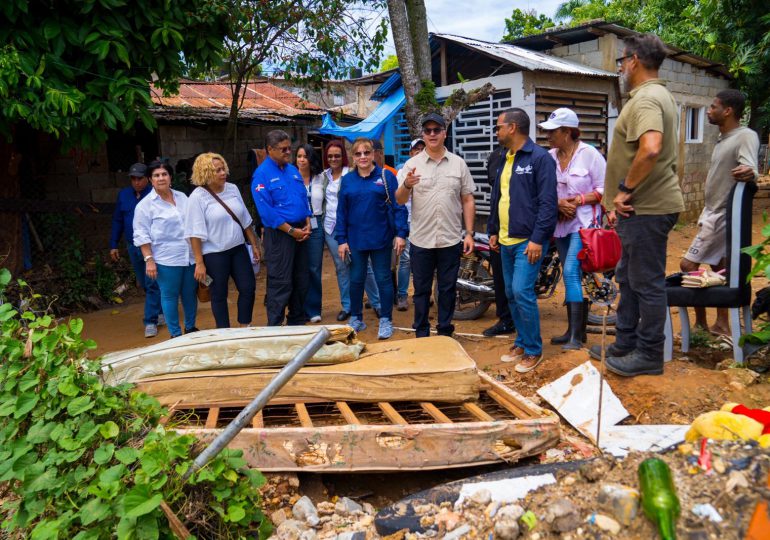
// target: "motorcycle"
[[476, 291]]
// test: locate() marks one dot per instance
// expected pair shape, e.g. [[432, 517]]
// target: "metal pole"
[[601, 379], [258, 403]]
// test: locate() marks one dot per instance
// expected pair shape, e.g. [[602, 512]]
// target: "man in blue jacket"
[[282, 203], [123, 225], [522, 218]]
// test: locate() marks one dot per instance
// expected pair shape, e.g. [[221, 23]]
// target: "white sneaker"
[[161, 320], [150, 330], [315, 319]]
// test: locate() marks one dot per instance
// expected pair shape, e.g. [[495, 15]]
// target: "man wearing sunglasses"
[[441, 187], [643, 185], [281, 199]]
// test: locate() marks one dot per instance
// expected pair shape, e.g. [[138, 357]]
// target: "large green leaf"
[[140, 501], [80, 405]]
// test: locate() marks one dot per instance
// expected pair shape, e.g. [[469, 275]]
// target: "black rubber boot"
[[575, 329], [586, 308]]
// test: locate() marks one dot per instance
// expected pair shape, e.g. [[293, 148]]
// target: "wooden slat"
[[478, 412], [304, 417], [258, 421], [347, 413], [434, 411], [508, 404], [211, 420], [391, 413]]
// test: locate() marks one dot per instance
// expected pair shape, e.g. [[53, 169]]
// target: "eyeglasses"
[[282, 149], [619, 61], [334, 156], [365, 153], [432, 131]]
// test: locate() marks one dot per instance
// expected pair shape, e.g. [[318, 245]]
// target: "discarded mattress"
[[347, 436], [430, 369], [228, 348]]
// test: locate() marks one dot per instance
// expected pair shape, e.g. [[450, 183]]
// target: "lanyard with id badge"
[[313, 217]]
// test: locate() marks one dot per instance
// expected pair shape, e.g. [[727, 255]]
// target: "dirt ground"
[[689, 386]]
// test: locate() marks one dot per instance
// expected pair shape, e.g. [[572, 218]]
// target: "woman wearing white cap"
[[580, 184]]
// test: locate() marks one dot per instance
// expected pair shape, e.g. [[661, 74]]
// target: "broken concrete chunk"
[[563, 515], [347, 507], [621, 501], [308, 534], [352, 535], [458, 533], [506, 529], [511, 511], [304, 510], [291, 529], [278, 517], [605, 523], [481, 498], [594, 470]]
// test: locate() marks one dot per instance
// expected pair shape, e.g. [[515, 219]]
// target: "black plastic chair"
[[736, 294]]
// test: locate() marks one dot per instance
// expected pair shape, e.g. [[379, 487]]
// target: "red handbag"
[[601, 248]]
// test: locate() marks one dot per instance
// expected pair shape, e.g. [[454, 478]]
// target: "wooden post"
[[442, 51]]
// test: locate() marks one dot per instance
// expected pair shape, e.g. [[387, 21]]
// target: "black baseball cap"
[[138, 170], [377, 144], [433, 117]]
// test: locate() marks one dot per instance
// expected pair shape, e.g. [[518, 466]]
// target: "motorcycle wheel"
[[596, 320], [468, 306]]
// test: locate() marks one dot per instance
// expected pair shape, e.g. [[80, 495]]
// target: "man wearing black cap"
[[441, 188], [123, 225]]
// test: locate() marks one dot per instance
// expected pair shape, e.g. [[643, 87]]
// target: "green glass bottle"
[[659, 500]]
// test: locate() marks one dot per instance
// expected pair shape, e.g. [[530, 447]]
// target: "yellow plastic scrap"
[[723, 425]]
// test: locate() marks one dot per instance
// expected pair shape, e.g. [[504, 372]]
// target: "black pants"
[[502, 309], [287, 282], [641, 275], [221, 266], [444, 262]]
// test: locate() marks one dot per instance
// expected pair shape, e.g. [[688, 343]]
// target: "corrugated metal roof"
[[260, 96], [221, 114], [526, 59]]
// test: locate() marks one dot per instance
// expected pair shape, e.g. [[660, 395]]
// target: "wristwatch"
[[624, 188], [147, 258], [290, 232]]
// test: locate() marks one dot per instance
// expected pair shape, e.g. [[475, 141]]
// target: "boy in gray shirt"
[[734, 157]]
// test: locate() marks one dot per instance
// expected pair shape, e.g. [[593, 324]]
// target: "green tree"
[[303, 40], [75, 68], [525, 22], [389, 62]]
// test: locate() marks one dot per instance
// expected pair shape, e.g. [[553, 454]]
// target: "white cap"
[[415, 142], [563, 117]]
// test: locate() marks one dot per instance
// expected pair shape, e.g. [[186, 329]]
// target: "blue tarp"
[[372, 126]]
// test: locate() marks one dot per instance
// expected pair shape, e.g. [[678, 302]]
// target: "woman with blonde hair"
[[370, 224], [218, 225]]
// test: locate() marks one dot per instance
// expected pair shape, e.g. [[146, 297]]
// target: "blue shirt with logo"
[[123, 216], [279, 194], [365, 219]]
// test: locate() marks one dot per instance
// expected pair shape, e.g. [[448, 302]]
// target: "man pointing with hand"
[[441, 188]]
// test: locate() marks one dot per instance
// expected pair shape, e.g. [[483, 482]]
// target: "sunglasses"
[[432, 131], [334, 156], [286, 150], [365, 153]]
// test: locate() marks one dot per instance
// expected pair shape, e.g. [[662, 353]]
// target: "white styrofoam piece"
[[620, 440], [575, 395], [507, 490]]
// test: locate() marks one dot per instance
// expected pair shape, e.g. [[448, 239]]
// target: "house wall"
[[690, 86], [341, 96]]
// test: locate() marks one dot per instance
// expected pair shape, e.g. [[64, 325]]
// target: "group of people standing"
[[421, 218]]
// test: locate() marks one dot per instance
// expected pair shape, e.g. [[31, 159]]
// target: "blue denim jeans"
[[152, 306], [380, 259], [176, 282], [315, 254], [520, 276], [568, 247], [404, 271], [371, 288], [343, 272]]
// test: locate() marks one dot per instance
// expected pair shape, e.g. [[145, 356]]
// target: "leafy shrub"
[[86, 460]]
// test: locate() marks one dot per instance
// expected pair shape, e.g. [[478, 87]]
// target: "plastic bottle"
[[659, 500]]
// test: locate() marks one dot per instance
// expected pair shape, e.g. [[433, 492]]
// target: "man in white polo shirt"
[[441, 188]]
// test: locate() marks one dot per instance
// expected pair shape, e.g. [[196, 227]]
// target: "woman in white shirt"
[[218, 224], [336, 160], [158, 232]]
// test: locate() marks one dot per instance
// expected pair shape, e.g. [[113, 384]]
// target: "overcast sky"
[[479, 19]]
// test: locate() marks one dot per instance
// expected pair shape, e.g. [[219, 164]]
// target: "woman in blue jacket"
[[368, 221]]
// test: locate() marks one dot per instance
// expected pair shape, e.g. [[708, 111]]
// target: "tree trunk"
[[399, 24], [232, 121], [418, 31]]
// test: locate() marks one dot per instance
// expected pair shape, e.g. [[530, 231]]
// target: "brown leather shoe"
[[515, 354], [528, 363]]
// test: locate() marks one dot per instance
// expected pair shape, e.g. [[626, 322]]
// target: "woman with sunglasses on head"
[[309, 164], [159, 234], [579, 185], [370, 224], [335, 160]]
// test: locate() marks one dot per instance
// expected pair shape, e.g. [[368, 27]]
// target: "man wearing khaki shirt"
[[441, 188]]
